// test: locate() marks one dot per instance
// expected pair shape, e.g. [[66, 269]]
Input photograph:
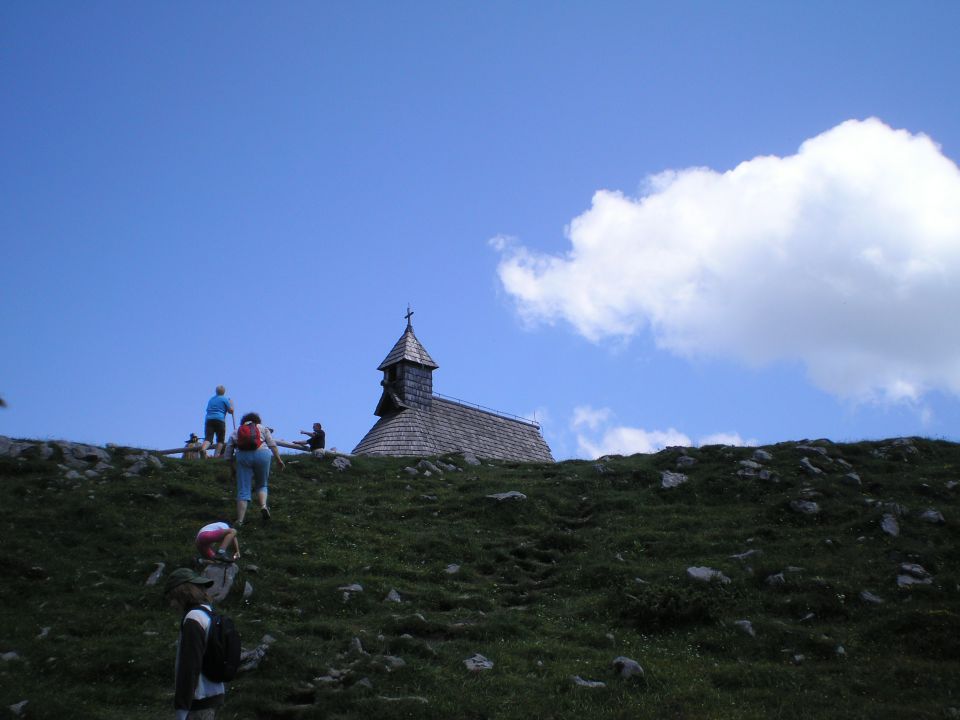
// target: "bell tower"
[[407, 375]]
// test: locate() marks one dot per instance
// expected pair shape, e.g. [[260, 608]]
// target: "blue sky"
[[645, 223]]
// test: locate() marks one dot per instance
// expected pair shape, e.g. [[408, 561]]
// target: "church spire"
[[407, 374]]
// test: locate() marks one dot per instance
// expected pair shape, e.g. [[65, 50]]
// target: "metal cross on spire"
[[409, 315]]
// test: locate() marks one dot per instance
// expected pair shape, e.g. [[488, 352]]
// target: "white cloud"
[[722, 438], [627, 441], [845, 256], [586, 416], [624, 440]]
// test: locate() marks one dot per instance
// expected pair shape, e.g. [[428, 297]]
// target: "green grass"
[[590, 567]]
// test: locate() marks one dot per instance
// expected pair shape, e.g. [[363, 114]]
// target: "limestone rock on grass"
[[913, 574], [851, 479], [156, 574], [671, 479], [428, 466], [705, 574], [805, 507], [809, 468], [627, 668], [890, 526], [478, 663], [223, 575], [511, 495], [579, 681]]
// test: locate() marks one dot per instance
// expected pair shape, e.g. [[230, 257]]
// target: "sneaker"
[[265, 513], [223, 557]]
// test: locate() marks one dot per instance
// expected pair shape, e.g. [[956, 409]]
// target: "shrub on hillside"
[[661, 607]]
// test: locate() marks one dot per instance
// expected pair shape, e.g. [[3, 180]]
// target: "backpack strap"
[[209, 614]]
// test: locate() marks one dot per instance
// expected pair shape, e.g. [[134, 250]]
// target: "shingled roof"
[[416, 422], [451, 427], [408, 348]]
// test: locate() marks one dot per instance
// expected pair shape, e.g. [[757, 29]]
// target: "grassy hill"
[[590, 567]]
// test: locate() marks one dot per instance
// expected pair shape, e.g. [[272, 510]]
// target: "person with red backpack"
[[251, 447]]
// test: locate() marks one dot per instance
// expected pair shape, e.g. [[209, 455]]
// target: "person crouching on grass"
[[214, 534], [195, 696], [249, 450]]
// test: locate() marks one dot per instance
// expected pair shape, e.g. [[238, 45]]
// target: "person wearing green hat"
[[195, 697]]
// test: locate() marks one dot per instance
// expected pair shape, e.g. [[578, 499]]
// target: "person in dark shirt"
[[316, 440], [196, 697]]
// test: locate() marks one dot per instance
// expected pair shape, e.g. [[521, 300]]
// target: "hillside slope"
[[836, 556]]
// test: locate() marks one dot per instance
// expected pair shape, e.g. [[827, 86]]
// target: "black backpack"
[[221, 660]]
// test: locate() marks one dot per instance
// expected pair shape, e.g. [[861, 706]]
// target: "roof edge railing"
[[484, 408]]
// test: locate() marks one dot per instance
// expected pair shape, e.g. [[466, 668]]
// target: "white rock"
[[915, 570], [671, 479], [511, 495], [809, 468], [156, 574], [932, 516], [890, 525], [705, 574], [806, 507], [577, 680], [626, 667], [908, 580], [478, 663], [851, 479]]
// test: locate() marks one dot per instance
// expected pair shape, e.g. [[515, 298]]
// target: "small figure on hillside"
[[214, 539], [316, 440], [195, 695], [249, 450], [193, 452], [215, 421]]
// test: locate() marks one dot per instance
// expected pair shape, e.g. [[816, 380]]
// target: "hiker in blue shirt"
[[215, 422]]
